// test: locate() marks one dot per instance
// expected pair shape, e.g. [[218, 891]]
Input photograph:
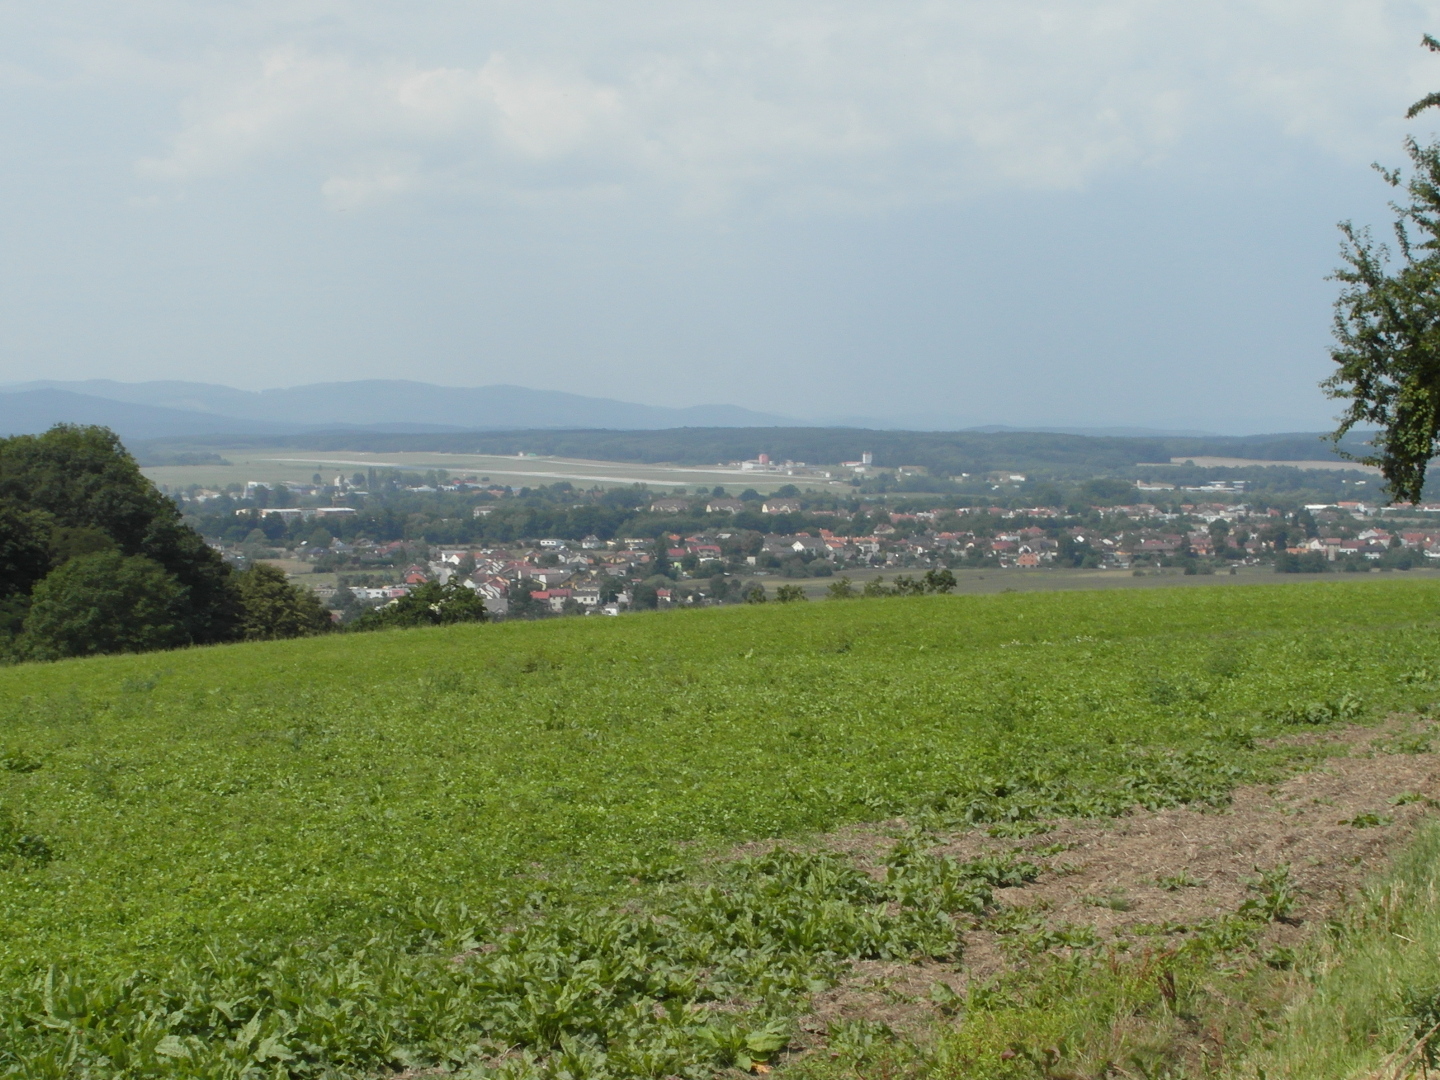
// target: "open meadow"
[[509, 848], [298, 466]]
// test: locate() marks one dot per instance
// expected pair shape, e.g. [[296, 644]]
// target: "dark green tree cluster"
[[93, 559], [934, 581], [432, 604], [273, 608]]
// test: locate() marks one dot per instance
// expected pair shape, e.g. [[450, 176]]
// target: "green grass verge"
[[263, 859], [1373, 993]]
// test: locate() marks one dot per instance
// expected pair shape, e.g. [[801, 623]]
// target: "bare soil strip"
[[1333, 825]]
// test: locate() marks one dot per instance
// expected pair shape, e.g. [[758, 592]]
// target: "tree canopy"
[[1387, 324], [81, 492], [106, 602], [94, 559], [432, 604], [273, 608], [24, 560]]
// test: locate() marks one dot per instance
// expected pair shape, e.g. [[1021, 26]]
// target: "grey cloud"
[[845, 103]]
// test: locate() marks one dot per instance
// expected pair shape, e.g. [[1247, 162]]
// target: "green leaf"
[[768, 1039], [273, 1047], [171, 1046]]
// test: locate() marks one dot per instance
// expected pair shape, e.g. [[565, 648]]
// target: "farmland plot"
[[493, 848]]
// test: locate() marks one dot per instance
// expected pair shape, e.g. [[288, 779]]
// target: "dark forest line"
[[942, 453]]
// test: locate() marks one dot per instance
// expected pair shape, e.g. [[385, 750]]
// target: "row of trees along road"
[[94, 559]]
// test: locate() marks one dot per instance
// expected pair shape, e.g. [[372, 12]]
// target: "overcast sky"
[[1084, 212]]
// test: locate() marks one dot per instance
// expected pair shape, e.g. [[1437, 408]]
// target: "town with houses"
[[556, 551]]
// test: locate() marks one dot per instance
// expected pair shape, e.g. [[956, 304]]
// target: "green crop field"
[[488, 847]]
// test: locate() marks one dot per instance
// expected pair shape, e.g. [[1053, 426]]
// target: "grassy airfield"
[[299, 466]]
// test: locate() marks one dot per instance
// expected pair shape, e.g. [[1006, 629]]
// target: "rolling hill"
[[158, 409]]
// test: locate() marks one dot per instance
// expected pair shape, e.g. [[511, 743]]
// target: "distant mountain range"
[[153, 410], [171, 409]]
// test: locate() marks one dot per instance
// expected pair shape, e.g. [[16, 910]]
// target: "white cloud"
[[829, 102], [300, 103]]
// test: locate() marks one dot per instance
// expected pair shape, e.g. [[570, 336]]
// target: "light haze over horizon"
[[1111, 213]]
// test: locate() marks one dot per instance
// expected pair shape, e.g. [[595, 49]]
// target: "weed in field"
[[21, 849], [1163, 692], [1416, 742], [594, 993], [1001, 871], [1113, 899], [1276, 895], [945, 999], [1420, 1006], [1045, 851], [1162, 928], [1175, 882], [1150, 780], [734, 1045], [1226, 661], [949, 885], [1172, 691], [17, 761], [1279, 957], [857, 1041], [1012, 918], [1405, 798], [1367, 820], [651, 870], [1017, 830], [1045, 937], [1345, 709], [1235, 737]]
